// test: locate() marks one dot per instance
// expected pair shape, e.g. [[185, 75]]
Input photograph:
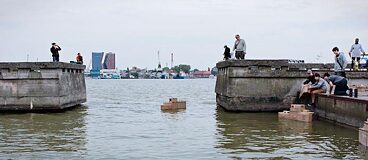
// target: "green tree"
[[165, 68], [182, 67]]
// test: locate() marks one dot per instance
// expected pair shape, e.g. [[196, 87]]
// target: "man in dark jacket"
[[310, 79], [340, 83], [227, 53], [55, 52]]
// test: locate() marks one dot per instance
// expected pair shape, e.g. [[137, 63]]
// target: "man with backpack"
[[340, 62]]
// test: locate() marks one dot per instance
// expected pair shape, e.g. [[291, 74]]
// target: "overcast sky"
[[194, 30]]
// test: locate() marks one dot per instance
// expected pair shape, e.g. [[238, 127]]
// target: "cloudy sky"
[[194, 30]]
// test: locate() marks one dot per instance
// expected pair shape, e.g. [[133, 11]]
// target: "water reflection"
[[262, 135], [28, 134], [176, 114]]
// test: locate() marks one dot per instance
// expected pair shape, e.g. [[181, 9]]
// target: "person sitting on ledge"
[[338, 82], [309, 81], [319, 87], [79, 59]]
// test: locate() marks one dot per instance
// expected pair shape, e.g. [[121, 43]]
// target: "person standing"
[[55, 52], [340, 62], [79, 59], [355, 53], [227, 53], [239, 47]]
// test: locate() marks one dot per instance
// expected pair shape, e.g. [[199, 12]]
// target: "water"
[[122, 120]]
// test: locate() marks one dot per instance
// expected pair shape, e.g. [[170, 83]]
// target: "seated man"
[[319, 87], [79, 59], [339, 83], [309, 81]]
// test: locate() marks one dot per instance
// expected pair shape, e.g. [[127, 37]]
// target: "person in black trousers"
[[55, 52], [227, 53]]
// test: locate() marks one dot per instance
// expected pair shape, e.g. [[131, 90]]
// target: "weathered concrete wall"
[[41, 85], [265, 85], [345, 110]]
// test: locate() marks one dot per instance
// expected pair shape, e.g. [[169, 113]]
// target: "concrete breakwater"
[[267, 85], [38, 86]]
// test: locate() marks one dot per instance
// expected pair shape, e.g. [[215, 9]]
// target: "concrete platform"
[[267, 85], [297, 112], [173, 104], [342, 109], [35, 86], [363, 134]]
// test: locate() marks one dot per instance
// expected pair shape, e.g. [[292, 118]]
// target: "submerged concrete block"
[[363, 134], [297, 113], [173, 104]]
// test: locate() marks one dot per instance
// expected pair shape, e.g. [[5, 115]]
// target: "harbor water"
[[122, 120]]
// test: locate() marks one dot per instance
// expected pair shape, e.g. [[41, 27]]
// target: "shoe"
[[311, 105]]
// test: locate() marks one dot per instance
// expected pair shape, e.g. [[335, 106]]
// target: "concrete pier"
[[37, 86], [342, 109], [266, 85]]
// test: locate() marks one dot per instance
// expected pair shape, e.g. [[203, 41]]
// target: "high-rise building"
[[109, 62], [96, 63], [97, 60]]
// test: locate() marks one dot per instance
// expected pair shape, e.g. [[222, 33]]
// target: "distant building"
[[201, 74], [96, 63], [97, 60], [109, 62]]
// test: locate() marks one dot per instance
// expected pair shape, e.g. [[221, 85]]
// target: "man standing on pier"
[[55, 52], [340, 62], [227, 54], [239, 47], [355, 53]]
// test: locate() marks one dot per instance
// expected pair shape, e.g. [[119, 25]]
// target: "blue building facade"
[[96, 63]]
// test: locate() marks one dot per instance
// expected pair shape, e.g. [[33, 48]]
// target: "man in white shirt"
[[239, 47], [355, 53]]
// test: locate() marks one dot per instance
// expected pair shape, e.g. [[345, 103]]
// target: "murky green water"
[[122, 120]]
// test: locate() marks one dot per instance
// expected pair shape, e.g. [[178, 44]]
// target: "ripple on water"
[[122, 120]]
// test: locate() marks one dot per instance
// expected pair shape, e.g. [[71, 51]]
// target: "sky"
[[194, 30]]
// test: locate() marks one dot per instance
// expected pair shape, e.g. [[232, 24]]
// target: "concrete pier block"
[[37, 86], [298, 113], [173, 104], [363, 134]]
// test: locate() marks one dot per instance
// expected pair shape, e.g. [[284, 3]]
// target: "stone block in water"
[[173, 104], [298, 113], [363, 134]]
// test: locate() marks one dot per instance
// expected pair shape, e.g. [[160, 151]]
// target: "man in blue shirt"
[[339, 83], [320, 86], [340, 62]]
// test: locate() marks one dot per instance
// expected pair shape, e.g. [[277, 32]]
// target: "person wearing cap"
[[319, 87], [55, 52], [355, 53], [239, 47], [337, 83]]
